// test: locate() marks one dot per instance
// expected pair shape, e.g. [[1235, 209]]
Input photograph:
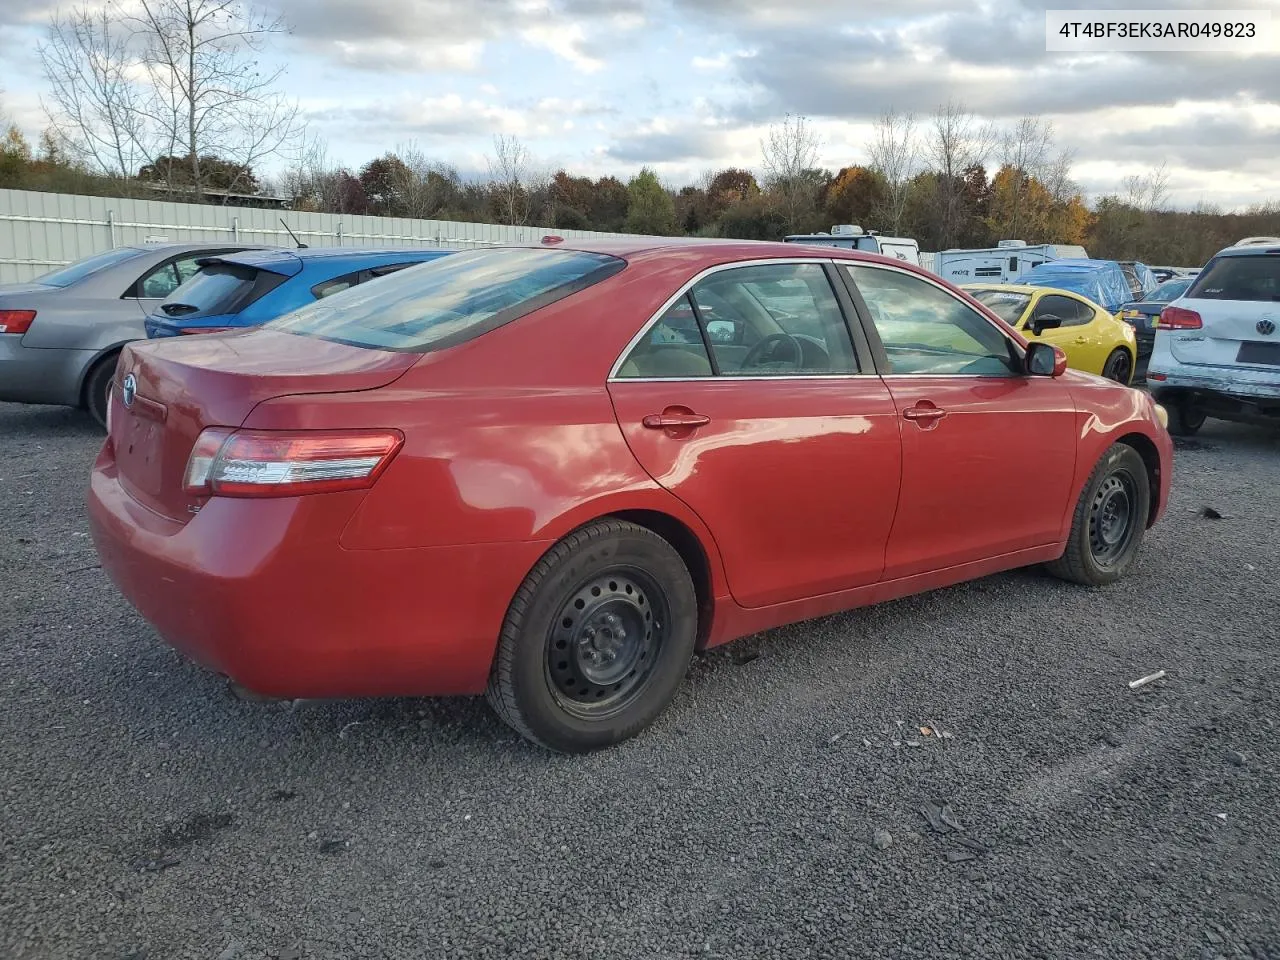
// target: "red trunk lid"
[[180, 386]]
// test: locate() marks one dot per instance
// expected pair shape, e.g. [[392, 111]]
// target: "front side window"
[[925, 330], [1054, 311], [764, 320], [450, 299], [1252, 278]]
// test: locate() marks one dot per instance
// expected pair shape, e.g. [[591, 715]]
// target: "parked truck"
[[1004, 263]]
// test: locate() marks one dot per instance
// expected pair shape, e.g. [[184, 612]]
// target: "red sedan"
[[551, 473]]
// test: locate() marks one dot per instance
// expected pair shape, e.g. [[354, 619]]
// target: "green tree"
[[650, 209], [15, 158]]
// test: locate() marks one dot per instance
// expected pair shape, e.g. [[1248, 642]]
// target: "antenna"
[[301, 245]]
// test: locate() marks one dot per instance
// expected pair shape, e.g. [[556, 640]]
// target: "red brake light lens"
[[1179, 318], [283, 463], [16, 321]]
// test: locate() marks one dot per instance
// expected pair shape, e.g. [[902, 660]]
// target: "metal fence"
[[40, 231]]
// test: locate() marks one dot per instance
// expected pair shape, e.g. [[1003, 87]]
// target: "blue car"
[[1102, 281], [246, 289]]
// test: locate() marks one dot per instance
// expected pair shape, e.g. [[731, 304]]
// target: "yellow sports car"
[[1094, 340]]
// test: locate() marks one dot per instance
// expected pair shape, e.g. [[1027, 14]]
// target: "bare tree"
[[208, 94], [94, 105], [790, 152], [956, 143], [894, 155], [510, 170], [1026, 149], [1148, 192], [1057, 177], [423, 187]]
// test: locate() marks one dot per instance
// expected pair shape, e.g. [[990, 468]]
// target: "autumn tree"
[[730, 186], [650, 209], [956, 142], [856, 195]]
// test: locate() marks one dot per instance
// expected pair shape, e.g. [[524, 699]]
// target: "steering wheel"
[[767, 350]]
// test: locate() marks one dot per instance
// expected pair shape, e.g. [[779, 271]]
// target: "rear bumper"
[[261, 591], [1228, 393], [41, 374]]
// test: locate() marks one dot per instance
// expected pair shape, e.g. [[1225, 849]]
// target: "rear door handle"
[[926, 414], [677, 421]]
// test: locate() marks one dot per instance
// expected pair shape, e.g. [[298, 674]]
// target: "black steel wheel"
[[1109, 520], [596, 640], [1119, 366]]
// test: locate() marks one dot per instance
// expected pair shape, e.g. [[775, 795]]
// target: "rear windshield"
[[450, 299], [1254, 277], [1006, 305], [65, 276], [218, 288], [1167, 292]]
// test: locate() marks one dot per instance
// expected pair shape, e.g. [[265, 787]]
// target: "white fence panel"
[[41, 231]]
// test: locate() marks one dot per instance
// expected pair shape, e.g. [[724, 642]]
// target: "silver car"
[[60, 334]]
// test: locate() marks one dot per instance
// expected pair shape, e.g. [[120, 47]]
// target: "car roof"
[[709, 251], [168, 248], [1005, 287], [1250, 250]]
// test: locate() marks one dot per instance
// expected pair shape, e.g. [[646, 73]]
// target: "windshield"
[[449, 299], [1254, 278], [65, 276], [1168, 291], [1006, 305]]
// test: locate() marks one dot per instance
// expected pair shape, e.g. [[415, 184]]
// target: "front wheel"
[[1119, 366], [597, 639], [1109, 521]]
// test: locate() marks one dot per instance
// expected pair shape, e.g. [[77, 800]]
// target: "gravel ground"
[[147, 814]]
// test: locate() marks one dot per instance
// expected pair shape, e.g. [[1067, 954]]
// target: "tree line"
[[170, 94]]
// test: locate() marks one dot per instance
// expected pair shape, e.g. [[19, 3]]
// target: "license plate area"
[[1253, 351], [140, 453]]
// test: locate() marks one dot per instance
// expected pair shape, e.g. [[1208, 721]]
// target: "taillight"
[[1179, 318], [16, 321], [281, 463], [188, 330]]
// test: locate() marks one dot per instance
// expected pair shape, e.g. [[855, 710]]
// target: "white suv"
[[1217, 348]]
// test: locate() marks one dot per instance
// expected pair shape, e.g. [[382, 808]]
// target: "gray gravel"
[[146, 814]]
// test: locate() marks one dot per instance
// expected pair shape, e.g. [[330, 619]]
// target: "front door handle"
[[923, 414], [675, 421]]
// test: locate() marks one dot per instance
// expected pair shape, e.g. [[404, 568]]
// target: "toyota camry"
[[552, 473]]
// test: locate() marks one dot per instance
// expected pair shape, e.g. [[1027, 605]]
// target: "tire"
[[1099, 551], [1119, 366], [553, 679], [97, 387], [1184, 419]]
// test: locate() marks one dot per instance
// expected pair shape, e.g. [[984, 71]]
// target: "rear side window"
[[65, 276], [1255, 278], [450, 299]]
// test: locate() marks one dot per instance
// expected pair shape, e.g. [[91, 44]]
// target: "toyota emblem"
[[129, 390], [1266, 326]]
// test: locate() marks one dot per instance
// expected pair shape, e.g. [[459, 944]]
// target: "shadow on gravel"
[[48, 422]]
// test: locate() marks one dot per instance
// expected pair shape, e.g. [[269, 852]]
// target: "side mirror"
[[1044, 321], [1045, 360]]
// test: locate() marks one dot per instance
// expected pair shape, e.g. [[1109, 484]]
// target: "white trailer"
[[1004, 263], [852, 237]]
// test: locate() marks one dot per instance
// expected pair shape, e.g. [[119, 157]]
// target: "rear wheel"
[[1184, 418], [1109, 521], [97, 388], [597, 639], [1119, 366]]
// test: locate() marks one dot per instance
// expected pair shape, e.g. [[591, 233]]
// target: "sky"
[[688, 86]]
